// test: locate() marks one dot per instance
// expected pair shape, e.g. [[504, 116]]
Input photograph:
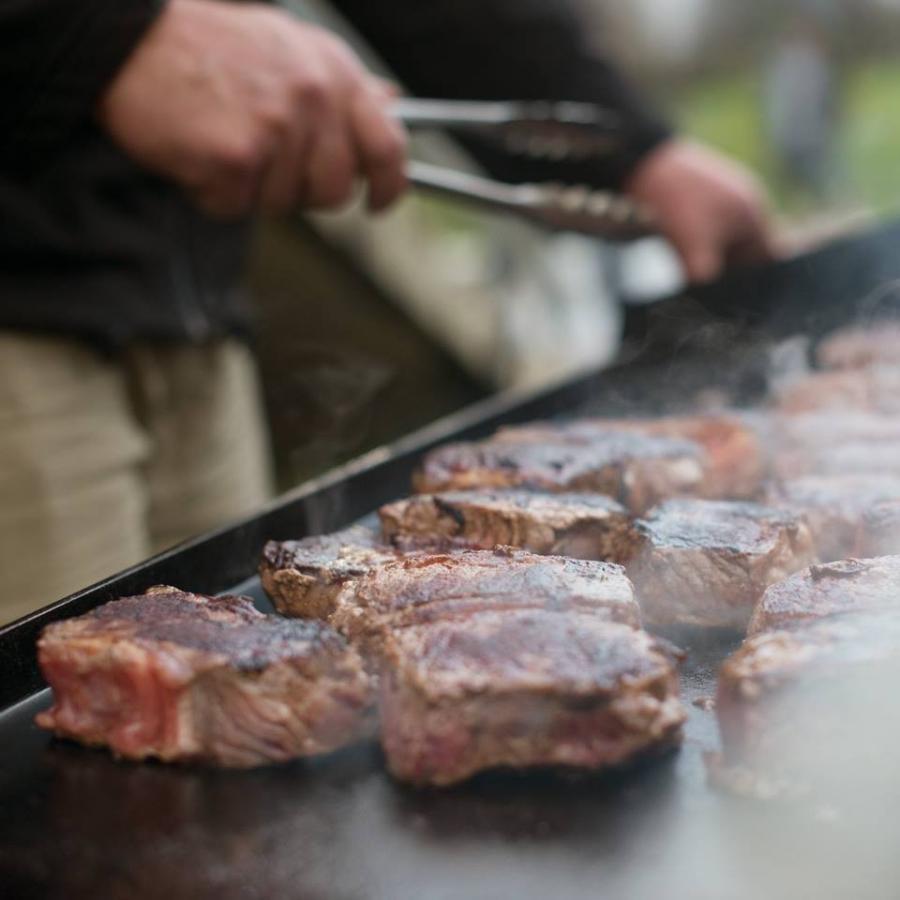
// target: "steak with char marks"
[[812, 706], [430, 587], [634, 469], [523, 688], [707, 562], [729, 448], [858, 347], [183, 677], [834, 507], [584, 526], [829, 589], [303, 578]]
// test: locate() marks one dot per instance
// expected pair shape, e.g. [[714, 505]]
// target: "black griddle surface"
[[74, 822]]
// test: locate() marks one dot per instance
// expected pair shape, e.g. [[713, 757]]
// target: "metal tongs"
[[545, 131]]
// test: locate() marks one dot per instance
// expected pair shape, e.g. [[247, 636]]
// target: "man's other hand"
[[710, 208], [246, 108]]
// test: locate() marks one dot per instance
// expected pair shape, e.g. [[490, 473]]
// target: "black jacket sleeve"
[[56, 56], [508, 49]]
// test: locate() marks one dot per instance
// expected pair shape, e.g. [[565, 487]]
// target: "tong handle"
[[564, 208], [541, 130], [421, 112]]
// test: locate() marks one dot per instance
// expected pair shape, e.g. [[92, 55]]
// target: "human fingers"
[[381, 147]]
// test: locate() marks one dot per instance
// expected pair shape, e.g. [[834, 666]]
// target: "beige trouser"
[[105, 460]]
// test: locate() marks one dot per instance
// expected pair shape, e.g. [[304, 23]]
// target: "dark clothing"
[[92, 246]]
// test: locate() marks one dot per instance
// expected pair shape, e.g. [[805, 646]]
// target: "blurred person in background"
[[801, 102], [141, 137]]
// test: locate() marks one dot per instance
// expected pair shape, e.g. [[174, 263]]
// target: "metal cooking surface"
[[75, 823]]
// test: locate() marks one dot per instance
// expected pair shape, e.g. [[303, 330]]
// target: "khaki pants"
[[104, 461]]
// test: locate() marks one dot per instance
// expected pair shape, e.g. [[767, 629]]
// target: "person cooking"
[[141, 139]]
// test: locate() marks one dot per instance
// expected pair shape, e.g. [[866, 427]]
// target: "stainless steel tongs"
[[561, 207], [548, 131], [537, 129]]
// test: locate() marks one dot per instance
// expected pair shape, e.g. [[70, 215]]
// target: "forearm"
[[57, 57], [505, 49]]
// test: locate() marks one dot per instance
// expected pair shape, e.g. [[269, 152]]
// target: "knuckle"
[[313, 93], [239, 158], [389, 150]]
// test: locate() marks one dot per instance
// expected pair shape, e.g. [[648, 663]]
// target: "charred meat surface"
[[881, 529], [876, 389], [707, 562], [428, 587], [857, 347], [183, 677], [732, 456], [584, 526], [636, 470], [304, 577], [834, 507], [829, 589], [523, 689], [815, 704]]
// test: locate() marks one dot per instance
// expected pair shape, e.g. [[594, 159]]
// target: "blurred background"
[[371, 329]]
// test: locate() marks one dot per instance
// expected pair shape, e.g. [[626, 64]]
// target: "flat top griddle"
[[75, 823]]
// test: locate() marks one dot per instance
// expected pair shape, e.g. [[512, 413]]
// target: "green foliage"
[[727, 113]]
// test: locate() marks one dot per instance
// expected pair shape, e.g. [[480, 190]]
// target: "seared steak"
[[303, 578], [829, 589], [814, 705], [429, 587], [876, 389], [858, 347], [834, 507], [182, 677], [731, 454], [707, 562], [521, 689], [881, 529], [584, 526], [634, 469]]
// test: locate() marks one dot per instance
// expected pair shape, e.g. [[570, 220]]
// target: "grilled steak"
[[634, 469], [303, 578], [429, 587], [521, 689], [856, 347], [182, 677], [834, 507], [881, 529], [829, 589], [876, 389], [584, 526], [732, 458], [814, 704], [707, 562]]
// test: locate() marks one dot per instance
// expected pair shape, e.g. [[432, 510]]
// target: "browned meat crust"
[[707, 562], [876, 389], [881, 529], [522, 689], [834, 507], [789, 701], [828, 589], [731, 452], [429, 587], [634, 469], [857, 347], [583, 526], [183, 677], [304, 577]]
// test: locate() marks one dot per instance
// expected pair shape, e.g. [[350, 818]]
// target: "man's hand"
[[246, 107], [711, 209]]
